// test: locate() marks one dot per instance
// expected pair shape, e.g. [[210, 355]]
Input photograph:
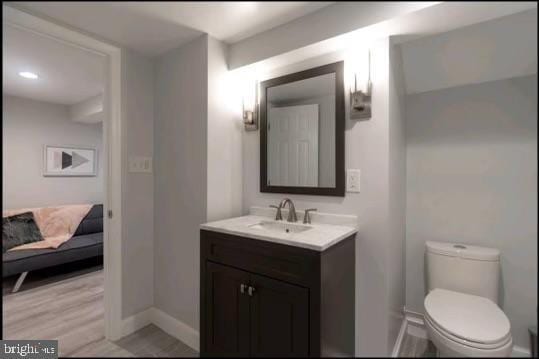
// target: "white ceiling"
[[155, 27], [67, 75]]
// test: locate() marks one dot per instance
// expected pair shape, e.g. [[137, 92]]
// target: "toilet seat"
[[449, 347], [463, 342], [468, 320]]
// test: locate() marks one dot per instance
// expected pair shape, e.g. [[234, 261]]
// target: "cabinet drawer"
[[291, 264]]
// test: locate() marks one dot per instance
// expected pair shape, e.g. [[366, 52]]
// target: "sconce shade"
[[361, 100], [250, 109], [248, 117]]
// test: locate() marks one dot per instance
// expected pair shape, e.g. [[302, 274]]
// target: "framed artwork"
[[69, 161]]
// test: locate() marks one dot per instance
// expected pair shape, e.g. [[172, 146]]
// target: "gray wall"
[[472, 178], [313, 29], [225, 128], [397, 194], [492, 50], [367, 148], [27, 126], [180, 187], [137, 199]]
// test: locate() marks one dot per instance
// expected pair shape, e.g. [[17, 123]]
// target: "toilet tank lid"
[[463, 251]]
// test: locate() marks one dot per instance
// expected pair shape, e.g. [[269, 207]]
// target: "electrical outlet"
[[140, 164], [352, 180]]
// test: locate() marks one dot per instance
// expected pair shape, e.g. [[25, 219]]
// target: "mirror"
[[302, 132]]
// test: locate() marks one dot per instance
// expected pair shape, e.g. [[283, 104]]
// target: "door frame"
[[112, 148]]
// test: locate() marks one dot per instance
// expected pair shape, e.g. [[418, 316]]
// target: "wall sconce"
[[360, 101], [249, 105]]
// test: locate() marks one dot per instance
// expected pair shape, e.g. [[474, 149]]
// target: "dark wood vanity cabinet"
[[271, 320], [265, 299]]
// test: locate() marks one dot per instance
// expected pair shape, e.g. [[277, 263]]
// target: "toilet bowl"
[[461, 308], [466, 325]]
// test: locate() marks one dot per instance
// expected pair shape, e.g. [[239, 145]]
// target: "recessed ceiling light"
[[28, 75]]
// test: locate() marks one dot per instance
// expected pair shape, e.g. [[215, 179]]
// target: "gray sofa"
[[87, 242]]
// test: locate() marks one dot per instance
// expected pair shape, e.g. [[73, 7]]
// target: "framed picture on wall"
[[72, 161]]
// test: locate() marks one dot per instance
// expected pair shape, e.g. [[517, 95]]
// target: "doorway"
[[111, 157]]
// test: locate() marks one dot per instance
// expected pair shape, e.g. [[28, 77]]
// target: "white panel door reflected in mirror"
[[302, 124], [301, 133]]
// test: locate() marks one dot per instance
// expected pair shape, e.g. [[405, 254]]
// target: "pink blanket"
[[57, 224]]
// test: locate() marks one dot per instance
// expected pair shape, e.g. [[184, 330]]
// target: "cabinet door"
[[279, 318], [227, 311]]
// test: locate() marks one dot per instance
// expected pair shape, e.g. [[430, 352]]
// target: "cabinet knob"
[[251, 291], [242, 288]]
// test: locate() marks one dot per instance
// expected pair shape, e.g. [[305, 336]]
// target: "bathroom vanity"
[[273, 288]]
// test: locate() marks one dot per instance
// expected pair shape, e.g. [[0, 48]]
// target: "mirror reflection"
[[301, 133]]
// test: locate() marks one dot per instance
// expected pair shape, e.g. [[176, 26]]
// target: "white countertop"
[[319, 238]]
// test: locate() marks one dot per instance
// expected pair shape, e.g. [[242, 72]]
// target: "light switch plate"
[[352, 180], [140, 164]]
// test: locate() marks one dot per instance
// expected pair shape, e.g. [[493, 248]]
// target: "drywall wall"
[[89, 110], [472, 178], [367, 148], [28, 125], [180, 182], [324, 24], [493, 50], [137, 199], [225, 128], [397, 194]]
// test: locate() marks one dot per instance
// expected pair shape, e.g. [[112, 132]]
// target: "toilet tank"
[[463, 268]]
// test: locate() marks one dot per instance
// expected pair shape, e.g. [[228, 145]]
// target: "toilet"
[[462, 316]]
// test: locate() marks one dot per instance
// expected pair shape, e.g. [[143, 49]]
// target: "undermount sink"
[[280, 227], [328, 230]]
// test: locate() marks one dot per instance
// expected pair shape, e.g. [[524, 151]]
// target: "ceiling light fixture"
[[28, 75]]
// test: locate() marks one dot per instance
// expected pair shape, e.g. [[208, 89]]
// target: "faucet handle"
[[278, 216], [307, 217]]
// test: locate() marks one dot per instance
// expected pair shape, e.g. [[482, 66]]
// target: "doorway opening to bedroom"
[[54, 188]]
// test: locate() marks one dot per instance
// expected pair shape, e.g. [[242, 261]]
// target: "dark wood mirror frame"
[[338, 190]]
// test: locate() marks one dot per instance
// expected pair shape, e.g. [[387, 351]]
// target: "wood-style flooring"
[[72, 312], [416, 347]]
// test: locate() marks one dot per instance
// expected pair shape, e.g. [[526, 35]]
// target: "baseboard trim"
[[137, 321], [414, 317], [416, 327], [416, 324], [400, 339], [165, 322], [176, 328], [520, 352]]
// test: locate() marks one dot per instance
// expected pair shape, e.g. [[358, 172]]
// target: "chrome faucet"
[[278, 216], [292, 217], [307, 217]]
